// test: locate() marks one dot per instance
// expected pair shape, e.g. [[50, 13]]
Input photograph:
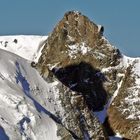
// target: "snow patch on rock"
[[78, 48]]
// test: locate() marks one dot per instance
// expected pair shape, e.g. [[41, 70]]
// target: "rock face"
[[77, 117], [92, 73], [76, 39], [124, 112], [68, 54]]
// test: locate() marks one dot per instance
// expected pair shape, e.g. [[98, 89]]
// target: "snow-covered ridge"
[[25, 108], [26, 46]]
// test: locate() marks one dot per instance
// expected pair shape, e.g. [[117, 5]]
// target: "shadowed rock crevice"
[[84, 79]]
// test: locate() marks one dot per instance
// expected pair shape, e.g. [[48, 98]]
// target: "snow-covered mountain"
[[28, 104], [24, 106], [71, 85]]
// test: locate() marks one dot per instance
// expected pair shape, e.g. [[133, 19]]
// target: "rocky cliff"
[[94, 76]]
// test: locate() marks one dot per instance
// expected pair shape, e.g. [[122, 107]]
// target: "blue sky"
[[120, 18]]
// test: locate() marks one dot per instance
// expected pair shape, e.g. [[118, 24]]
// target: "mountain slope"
[[22, 92], [125, 106], [71, 85], [83, 59], [36, 97]]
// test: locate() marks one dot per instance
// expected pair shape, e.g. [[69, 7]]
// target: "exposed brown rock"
[[75, 29], [74, 40], [78, 118], [128, 128]]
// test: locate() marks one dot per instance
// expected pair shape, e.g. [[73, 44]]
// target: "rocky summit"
[[99, 76], [71, 85]]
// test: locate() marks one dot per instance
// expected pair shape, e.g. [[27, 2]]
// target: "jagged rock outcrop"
[[76, 117], [124, 112], [76, 36], [93, 73], [69, 55], [76, 39]]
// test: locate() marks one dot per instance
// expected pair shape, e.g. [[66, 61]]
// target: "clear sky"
[[120, 18]]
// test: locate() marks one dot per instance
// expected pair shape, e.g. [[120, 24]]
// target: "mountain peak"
[[69, 56], [102, 76], [74, 37], [80, 20], [89, 90], [79, 28], [73, 13]]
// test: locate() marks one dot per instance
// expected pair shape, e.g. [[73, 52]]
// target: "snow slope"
[[25, 111], [28, 47]]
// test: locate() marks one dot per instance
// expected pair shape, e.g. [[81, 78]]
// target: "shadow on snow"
[[3, 135], [26, 89]]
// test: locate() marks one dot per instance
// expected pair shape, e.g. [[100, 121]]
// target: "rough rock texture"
[[76, 29], [76, 39], [75, 69], [77, 117], [93, 73], [124, 112]]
